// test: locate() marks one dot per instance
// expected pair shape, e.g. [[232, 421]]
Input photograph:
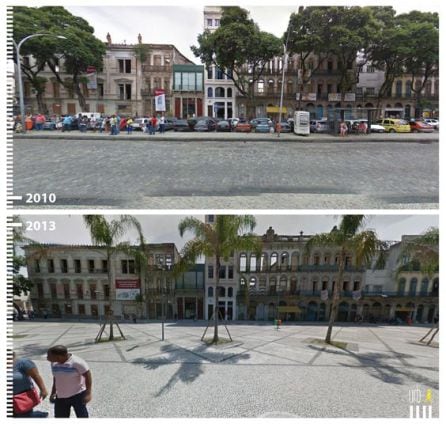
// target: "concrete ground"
[[263, 372]]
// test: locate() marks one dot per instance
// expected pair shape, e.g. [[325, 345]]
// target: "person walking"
[[153, 122], [72, 382], [67, 121], [162, 124], [129, 125], [25, 376]]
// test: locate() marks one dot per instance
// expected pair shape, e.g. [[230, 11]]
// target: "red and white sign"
[[127, 289], [160, 100]]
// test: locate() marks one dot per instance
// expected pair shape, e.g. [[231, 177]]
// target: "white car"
[[432, 122]]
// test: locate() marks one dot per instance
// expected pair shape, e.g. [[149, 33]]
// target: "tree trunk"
[[216, 310], [335, 301], [80, 96], [40, 103]]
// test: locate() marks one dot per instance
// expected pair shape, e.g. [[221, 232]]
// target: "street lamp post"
[[19, 71]]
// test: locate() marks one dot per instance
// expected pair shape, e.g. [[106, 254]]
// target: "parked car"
[[420, 126], [49, 125], [434, 123], [223, 126], [393, 125], [285, 127], [169, 124], [182, 125], [243, 127], [234, 121], [353, 125], [139, 124], [256, 121], [263, 127], [206, 124], [319, 126]]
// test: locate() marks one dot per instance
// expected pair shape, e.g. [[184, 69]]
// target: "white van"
[[90, 115]]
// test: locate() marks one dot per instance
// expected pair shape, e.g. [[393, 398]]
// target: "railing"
[[157, 68]]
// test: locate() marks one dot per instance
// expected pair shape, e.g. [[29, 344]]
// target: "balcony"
[[157, 68]]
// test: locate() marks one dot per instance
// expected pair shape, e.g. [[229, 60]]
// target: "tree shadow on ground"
[[188, 370], [378, 367]]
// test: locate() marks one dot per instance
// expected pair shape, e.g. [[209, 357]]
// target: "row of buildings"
[[127, 85], [75, 282]]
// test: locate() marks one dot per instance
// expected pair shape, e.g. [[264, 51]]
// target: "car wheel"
[[391, 130]]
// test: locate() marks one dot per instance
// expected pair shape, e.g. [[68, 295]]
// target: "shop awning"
[[275, 109]]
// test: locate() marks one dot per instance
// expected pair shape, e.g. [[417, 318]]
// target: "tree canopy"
[[72, 55]]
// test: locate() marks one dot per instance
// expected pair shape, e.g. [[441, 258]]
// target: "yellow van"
[[392, 125]]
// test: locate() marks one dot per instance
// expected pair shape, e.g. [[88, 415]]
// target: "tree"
[[72, 55], [422, 253], [107, 234], [217, 240], [239, 49], [348, 240]]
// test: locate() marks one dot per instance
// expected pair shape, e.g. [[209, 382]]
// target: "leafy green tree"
[[218, 240], [348, 240], [239, 49], [108, 234], [20, 284], [72, 55]]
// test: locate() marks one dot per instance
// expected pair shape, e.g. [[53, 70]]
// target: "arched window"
[[273, 261], [242, 282], [424, 287], [413, 286], [243, 262], [408, 89], [283, 283], [253, 262], [219, 92], [284, 260], [252, 282], [264, 262], [294, 261], [210, 292], [210, 94], [401, 286], [399, 88]]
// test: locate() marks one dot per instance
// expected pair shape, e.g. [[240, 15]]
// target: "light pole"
[[285, 46], [19, 71]]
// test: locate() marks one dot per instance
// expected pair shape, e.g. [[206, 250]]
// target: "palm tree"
[[349, 241], [422, 253], [229, 233], [107, 234]]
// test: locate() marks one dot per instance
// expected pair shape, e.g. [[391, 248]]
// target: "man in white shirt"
[[71, 383]]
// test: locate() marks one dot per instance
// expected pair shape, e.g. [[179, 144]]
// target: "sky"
[[173, 23], [70, 229]]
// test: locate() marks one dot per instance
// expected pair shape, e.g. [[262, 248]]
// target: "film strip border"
[[11, 230], [10, 104]]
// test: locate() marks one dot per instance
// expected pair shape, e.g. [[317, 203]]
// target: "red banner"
[[127, 284]]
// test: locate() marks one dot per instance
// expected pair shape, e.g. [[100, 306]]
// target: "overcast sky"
[[175, 23], [70, 229]]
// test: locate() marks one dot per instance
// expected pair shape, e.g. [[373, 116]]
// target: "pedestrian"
[[129, 125], [102, 126], [113, 125], [154, 123], [162, 124], [118, 124], [25, 376], [40, 120], [72, 383], [343, 128]]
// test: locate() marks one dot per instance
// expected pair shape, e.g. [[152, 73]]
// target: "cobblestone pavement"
[[126, 172], [264, 372]]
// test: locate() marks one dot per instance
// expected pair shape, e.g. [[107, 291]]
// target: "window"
[[100, 90], [77, 266], [50, 265], [253, 262], [104, 265], [209, 22], [91, 265], [230, 292], [219, 92], [211, 218], [221, 292], [125, 91], [64, 266], [230, 272], [273, 261], [210, 271], [222, 272], [370, 91], [370, 69], [53, 291], [93, 291], [125, 66], [177, 81], [128, 266], [243, 262], [229, 92], [210, 72], [66, 291], [424, 286], [106, 291], [210, 292], [219, 74], [36, 266], [210, 95], [261, 87], [79, 291], [217, 22]]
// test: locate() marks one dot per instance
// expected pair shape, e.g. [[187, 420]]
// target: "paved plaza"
[[264, 372], [135, 172]]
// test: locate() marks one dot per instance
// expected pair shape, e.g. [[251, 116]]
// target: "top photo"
[[223, 107]]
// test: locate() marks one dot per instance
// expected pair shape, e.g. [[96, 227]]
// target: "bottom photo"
[[224, 316]]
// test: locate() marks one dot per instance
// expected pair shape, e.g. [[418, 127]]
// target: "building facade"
[[187, 91]]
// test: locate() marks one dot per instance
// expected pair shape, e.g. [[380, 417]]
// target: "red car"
[[243, 127], [420, 126]]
